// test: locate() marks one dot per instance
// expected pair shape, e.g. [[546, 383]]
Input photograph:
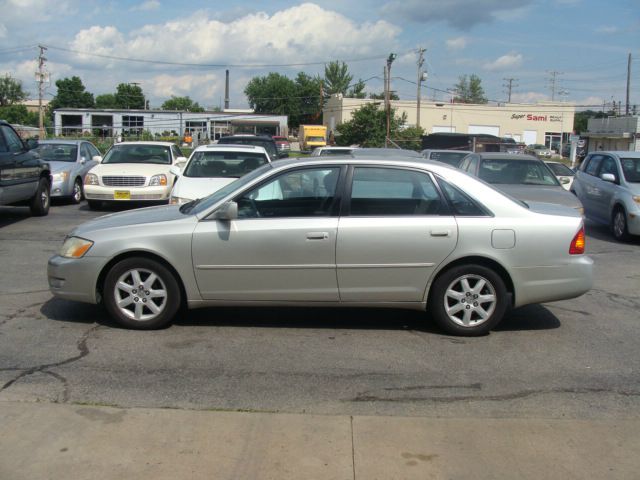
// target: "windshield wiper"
[[187, 207]]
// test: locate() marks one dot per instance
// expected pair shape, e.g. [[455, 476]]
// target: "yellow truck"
[[312, 136]]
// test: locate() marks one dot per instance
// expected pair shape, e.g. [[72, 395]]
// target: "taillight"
[[578, 243]]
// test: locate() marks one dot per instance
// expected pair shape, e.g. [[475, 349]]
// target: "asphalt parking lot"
[[571, 359]]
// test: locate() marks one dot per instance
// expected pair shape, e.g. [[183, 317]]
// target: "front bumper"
[[126, 194], [61, 188], [74, 278], [633, 222]]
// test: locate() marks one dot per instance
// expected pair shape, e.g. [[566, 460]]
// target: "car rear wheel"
[[77, 194], [468, 300], [619, 225], [40, 202], [141, 293]]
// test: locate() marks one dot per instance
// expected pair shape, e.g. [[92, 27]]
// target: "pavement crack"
[[621, 300], [81, 345], [17, 313]]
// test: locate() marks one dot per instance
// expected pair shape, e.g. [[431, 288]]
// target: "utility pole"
[[509, 86], [553, 83], [628, 84], [42, 77], [421, 77], [390, 59]]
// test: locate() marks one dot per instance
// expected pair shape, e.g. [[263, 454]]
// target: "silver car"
[[331, 232], [524, 177], [70, 160], [450, 157], [608, 183]]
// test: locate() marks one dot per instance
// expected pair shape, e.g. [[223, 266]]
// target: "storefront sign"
[[536, 118]]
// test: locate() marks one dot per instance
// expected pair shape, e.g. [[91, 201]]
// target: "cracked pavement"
[[571, 359]]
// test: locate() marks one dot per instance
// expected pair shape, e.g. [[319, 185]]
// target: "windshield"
[[516, 172], [58, 152], [561, 169], [206, 202], [631, 169], [450, 158], [268, 145], [223, 164], [158, 154]]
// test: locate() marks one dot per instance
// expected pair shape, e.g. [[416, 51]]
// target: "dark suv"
[[265, 141], [24, 178]]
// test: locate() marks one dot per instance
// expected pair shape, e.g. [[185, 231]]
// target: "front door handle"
[[317, 235], [440, 233]]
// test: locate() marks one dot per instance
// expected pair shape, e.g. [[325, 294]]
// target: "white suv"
[[133, 172], [211, 167]]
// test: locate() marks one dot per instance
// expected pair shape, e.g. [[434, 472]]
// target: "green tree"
[[129, 96], [581, 119], [11, 91], [380, 96], [357, 90], [181, 103], [71, 94], [368, 127], [106, 100], [336, 78], [469, 90], [19, 114], [280, 95]]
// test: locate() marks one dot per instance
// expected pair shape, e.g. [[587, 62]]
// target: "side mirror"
[[608, 177], [175, 170], [83, 160], [565, 180], [97, 158], [180, 161], [32, 143], [227, 211]]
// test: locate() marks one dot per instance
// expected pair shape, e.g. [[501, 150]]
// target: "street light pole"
[[390, 59]]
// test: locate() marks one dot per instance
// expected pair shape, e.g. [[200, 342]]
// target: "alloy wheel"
[[140, 294], [470, 300]]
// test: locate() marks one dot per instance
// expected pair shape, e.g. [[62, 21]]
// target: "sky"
[[184, 48]]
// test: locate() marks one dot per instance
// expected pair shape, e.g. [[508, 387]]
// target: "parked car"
[[70, 160], [375, 232], [264, 141], [608, 184], [524, 177], [450, 157], [282, 143], [539, 151], [133, 172], [211, 167], [331, 151], [563, 173], [25, 179]]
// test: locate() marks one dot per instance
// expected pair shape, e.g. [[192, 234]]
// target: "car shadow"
[[603, 232], [532, 317], [11, 215]]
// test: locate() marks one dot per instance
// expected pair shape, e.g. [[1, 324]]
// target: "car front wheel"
[[619, 225], [77, 194], [468, 300], [141, 293]]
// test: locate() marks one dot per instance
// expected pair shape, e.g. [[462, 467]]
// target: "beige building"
[[544, 123]]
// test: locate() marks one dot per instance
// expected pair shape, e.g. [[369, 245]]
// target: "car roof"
[[231, 147], [60, 141], [163, 144], [506, 156], [619, 153], [385, 152], [445, 150]]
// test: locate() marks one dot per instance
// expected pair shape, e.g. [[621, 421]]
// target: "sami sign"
[[536, 118]]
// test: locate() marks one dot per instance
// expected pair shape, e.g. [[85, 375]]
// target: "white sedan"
[[133, 172], [211, 167]]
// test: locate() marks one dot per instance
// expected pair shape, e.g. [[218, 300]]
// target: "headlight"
[[75, 247], [60, 176], [636, 198], [157, 180], [91, 179], [179, 200]]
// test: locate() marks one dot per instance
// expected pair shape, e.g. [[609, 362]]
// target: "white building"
[[544, 123], [614, 133], [210, 125]]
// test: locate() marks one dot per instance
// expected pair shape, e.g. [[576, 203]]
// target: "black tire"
[[619, 225], [41, 200], [152, 307], [94, 204], [77, 195], [478, 306]]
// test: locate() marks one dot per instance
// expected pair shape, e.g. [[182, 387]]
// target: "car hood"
[[541, 193], [192, 188], [162, 213], [141, 169], [634, 188], [60, 166]]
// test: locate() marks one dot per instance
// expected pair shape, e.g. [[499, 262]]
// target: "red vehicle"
[[282, 143]]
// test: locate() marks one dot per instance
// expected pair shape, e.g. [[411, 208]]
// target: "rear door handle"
[[440, 233], [317, 235]]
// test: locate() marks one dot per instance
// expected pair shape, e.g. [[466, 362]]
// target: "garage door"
[[488, 129], [440, 129], [530, 137]]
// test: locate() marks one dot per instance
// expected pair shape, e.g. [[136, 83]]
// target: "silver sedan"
[[331, 232]]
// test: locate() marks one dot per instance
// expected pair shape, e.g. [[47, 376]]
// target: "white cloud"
[[529, 97], [146, 6], [165, 86], [34, 10], [456, 43], [3, 31], [505, 62]]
